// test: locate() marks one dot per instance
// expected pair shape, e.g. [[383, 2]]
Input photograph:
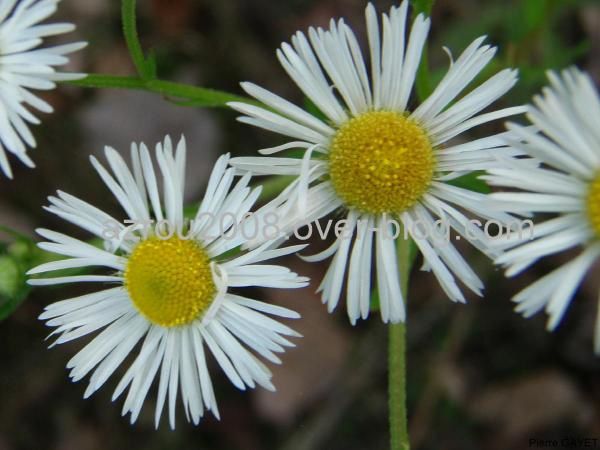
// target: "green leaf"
[[190, 211], [423, 83], [422, 6], [314, 110], [273, 186], [525, 18], [471, 182], [375, 305], [16, 258], [230, 254], [9, 305], [9, 276], [14, 263]]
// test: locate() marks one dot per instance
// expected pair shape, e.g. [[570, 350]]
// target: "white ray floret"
[[146, 272], [566, 138], [24, 67], [329, 68]]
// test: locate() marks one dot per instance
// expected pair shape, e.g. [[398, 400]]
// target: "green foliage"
[[471, 182], [12, 288], [423, 83], [146, 66], [314, 110], [526, 33], [375, 305], [273, 186], [422, 6], [526, 18], [15, 259], [151, 65]]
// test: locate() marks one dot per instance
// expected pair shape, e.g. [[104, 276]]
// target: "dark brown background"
[[480, 377]]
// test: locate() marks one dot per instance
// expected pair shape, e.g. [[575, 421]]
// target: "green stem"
[[128, 18], [96, 80], [193, 95], [146, 80], [397, 387], [204, 96], [399, 439]]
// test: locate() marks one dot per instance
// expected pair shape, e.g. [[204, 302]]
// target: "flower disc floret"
[[170, 281], [381, 162]]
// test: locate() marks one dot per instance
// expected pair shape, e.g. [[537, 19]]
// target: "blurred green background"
[[479, 376]]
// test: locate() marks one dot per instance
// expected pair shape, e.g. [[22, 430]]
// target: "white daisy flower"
[[567, 185], [167, 299], [375, 158], [23, 67]]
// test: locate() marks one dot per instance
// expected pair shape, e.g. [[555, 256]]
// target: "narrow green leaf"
[[313, 109], [423, 83], [472, 182], [374, 305]]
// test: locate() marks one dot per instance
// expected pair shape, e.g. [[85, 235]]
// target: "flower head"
[[25, 67], [170, 297], [375, 157], [566, 139]]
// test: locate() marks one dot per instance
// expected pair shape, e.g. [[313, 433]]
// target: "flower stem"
[[187, 95], [397, 387], [399, 439], [146, 79], [145, 67]]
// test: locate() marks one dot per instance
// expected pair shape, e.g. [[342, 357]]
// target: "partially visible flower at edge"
[[566, 139], [25, 67]]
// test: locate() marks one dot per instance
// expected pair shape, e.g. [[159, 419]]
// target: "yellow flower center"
[[170, 281], [381, 162], [593, 205]]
